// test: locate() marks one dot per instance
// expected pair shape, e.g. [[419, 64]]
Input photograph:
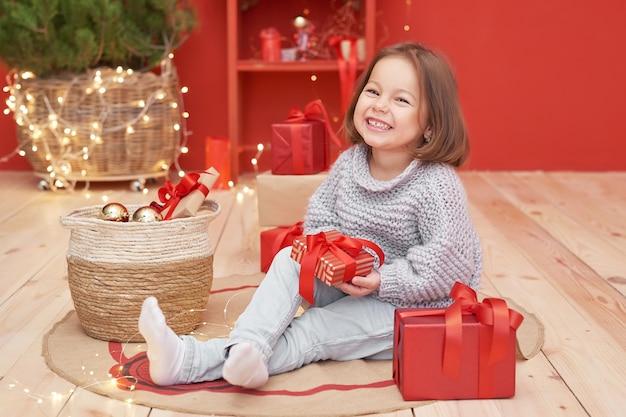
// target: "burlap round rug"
[[120, 371]]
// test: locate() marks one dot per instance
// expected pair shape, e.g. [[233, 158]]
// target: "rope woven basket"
[[104, 124], [114, 266]]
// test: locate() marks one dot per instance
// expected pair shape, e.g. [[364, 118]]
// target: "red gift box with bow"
[[464, 351], [300, 145], [273, 240], [332, 258]]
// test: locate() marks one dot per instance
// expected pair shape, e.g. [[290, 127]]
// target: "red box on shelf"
[[480, 362]]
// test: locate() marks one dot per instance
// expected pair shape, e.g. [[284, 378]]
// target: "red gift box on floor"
[[462, 352], [275, 239], [300, 145], [332, 258]]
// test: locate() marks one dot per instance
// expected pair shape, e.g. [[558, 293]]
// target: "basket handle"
[[212, 205]]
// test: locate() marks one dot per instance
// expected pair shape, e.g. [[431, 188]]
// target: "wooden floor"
[[553, 242]]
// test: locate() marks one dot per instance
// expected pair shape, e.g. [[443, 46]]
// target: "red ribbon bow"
[[314, 111], [496, 318], [347, 69], [345, 248], [171, 195]]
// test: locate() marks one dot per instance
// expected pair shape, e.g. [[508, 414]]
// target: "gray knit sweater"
[[419, 219]]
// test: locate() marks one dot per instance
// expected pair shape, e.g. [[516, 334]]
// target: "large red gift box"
[[332, 258], [300, 145], [462, 352], [273, 240]]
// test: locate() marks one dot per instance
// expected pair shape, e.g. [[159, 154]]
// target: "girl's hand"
[[360, 286]]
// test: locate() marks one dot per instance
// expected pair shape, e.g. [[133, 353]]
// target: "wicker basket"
[[105, 124], [113, 267]]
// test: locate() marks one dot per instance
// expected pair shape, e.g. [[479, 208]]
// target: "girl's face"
[[390, 113]]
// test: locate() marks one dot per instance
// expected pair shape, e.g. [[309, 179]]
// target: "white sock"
[[165, 349], [245, 367]]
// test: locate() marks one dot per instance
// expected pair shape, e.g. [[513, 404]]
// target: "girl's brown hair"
[[449, 142]]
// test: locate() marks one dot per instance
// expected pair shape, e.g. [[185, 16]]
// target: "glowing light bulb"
[[299, 21]]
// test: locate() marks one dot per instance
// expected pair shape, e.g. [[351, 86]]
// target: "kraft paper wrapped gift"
[[185, 198], [283, 199], [465, 351], [273, 240], [332, 258]]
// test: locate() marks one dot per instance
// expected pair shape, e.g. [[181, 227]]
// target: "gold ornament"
[[114, 212], [147, 214]]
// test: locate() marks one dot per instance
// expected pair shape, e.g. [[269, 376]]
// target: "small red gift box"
[[300, 145], [462, 352], [332, 258], [298, 148], [275, 239]]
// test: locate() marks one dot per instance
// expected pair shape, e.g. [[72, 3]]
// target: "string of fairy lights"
[[119, 378], [67, 137]]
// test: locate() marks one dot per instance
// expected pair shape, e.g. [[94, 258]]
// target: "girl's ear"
[[428, 132]]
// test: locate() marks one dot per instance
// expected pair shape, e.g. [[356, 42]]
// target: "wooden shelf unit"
[[238, 65]]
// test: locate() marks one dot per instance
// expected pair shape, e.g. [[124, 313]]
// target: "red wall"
[[542, 82]]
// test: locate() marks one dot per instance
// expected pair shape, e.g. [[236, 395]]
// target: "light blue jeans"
[[339, 327]]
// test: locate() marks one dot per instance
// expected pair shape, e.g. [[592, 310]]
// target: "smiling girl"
[[397, 187]]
